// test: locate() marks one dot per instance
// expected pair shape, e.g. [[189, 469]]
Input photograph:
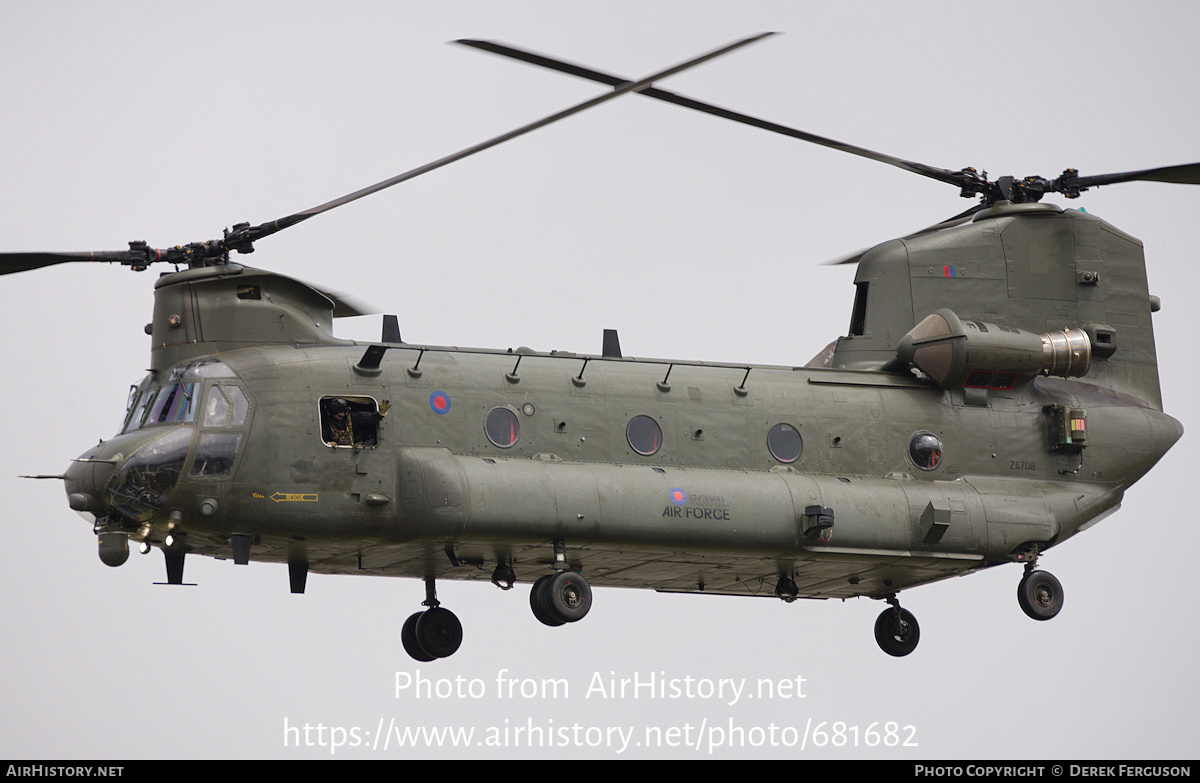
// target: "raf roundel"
[[678, 496], [439, 402]]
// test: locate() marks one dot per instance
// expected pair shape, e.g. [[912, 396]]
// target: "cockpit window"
[[174, 403], [221, 401], [163, 404], [151, 402], [216, 412], [137, 412], [215, 453], [225, 411], [240, 406], [203, 368]]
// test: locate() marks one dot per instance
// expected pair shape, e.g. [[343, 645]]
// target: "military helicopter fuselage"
[[862, 478], [997, 391]]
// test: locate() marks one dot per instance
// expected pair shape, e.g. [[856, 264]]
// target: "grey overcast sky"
[[695, 237]]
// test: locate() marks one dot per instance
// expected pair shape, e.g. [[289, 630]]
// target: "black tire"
[[567, 596], [408, 637], [897, 638], [537, 603], [1040, 595], [439, 633]]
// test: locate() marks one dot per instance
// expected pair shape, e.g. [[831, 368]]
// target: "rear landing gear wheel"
[[538, 603], [897, 632], [564, 597], [568, 596], [434, 633], [1040, 595]]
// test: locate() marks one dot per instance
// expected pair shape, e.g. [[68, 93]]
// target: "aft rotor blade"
[[1187, 174], [266, 229], [943, 175]]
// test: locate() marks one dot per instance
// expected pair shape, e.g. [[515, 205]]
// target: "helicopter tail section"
[[1026, 272]]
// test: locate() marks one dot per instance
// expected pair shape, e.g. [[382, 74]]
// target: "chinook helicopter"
[[996, 393]]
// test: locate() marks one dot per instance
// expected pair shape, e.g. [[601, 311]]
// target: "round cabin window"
[[785, 443], [644, 435], [502, 427], [925, 450]]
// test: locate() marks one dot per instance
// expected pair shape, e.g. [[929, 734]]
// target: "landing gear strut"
[[433, 633], [896, 630]]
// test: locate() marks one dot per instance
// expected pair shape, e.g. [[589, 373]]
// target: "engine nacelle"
[[954, 352]]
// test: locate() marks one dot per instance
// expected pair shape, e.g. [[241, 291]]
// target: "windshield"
[[173, 401], [176, 402]]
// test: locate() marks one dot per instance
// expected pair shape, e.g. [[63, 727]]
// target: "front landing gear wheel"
[[1040, 595], [897, 631], [434, 633], [408, 637], [439, 632]]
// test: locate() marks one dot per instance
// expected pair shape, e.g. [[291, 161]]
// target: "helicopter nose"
[[130, 477], [86, 477]]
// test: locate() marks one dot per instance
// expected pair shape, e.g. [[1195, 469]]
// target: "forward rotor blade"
[[242, 237], [266, 229], [957, 220], [22, 262], [1187, 174], [943, 175]]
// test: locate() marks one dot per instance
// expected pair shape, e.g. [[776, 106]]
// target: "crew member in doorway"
[[352, 424]]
